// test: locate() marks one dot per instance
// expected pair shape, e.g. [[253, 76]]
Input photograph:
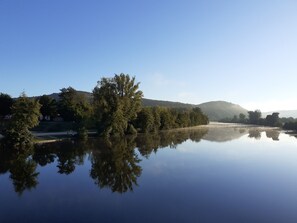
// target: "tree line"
[[115, 109], [255, 118]]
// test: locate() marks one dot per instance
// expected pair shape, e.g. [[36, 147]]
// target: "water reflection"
[[273, 134], [148, 143], [21, 169], [229, 132], [254, 133], [23, 174], [270, 133], [224, 133], [67, 154], [115, 164]]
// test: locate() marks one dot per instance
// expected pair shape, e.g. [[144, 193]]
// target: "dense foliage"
[[117, 101], [75, 107], [152, 119], [290, 126], [5, 104], [25, 115], [48, 106]]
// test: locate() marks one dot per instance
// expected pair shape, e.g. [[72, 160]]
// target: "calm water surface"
[[209, 174]]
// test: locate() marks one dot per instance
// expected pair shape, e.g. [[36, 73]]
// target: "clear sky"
[[241, 51]]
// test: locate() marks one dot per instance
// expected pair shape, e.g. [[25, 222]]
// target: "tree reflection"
[[148, 143], [115, 165], [270, 133], [21, 167], [254, 133], [68, 155], [273, 134], [23, 174], [44, 155]]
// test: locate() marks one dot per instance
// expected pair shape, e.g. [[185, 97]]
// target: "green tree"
[[117, 101], [167, 119], [197, 117], [183, 119], [254, 116], [273, 120], [71, 104], [242, 118], [5, 104], [74, 106], [25, 115], [145, 120], [48, 106]]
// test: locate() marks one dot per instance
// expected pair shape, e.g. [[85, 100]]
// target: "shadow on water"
[[115, 163]]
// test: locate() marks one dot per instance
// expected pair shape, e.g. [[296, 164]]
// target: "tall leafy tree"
[[273, 120], [48, 106], [117, 101], [254, 116], [145, 120], [74, 106], [25, 115]]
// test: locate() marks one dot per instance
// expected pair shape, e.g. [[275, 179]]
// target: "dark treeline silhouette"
[[115, 163], [255, 118], [292, 125]]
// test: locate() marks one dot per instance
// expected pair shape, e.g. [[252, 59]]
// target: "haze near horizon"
[[188, 51]]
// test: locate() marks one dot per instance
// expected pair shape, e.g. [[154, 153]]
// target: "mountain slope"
[[150, 103], [217, 110]]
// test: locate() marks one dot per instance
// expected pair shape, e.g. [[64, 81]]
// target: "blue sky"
[[241, 51]]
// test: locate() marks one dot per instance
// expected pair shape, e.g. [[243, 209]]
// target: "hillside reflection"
[[115, 164]]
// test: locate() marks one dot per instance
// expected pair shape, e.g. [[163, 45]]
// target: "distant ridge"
[[150, 102], [218, 110], [215, 110]]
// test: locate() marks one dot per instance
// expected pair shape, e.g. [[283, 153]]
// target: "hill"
[[217, 110], [150, 103], [56, 95]]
